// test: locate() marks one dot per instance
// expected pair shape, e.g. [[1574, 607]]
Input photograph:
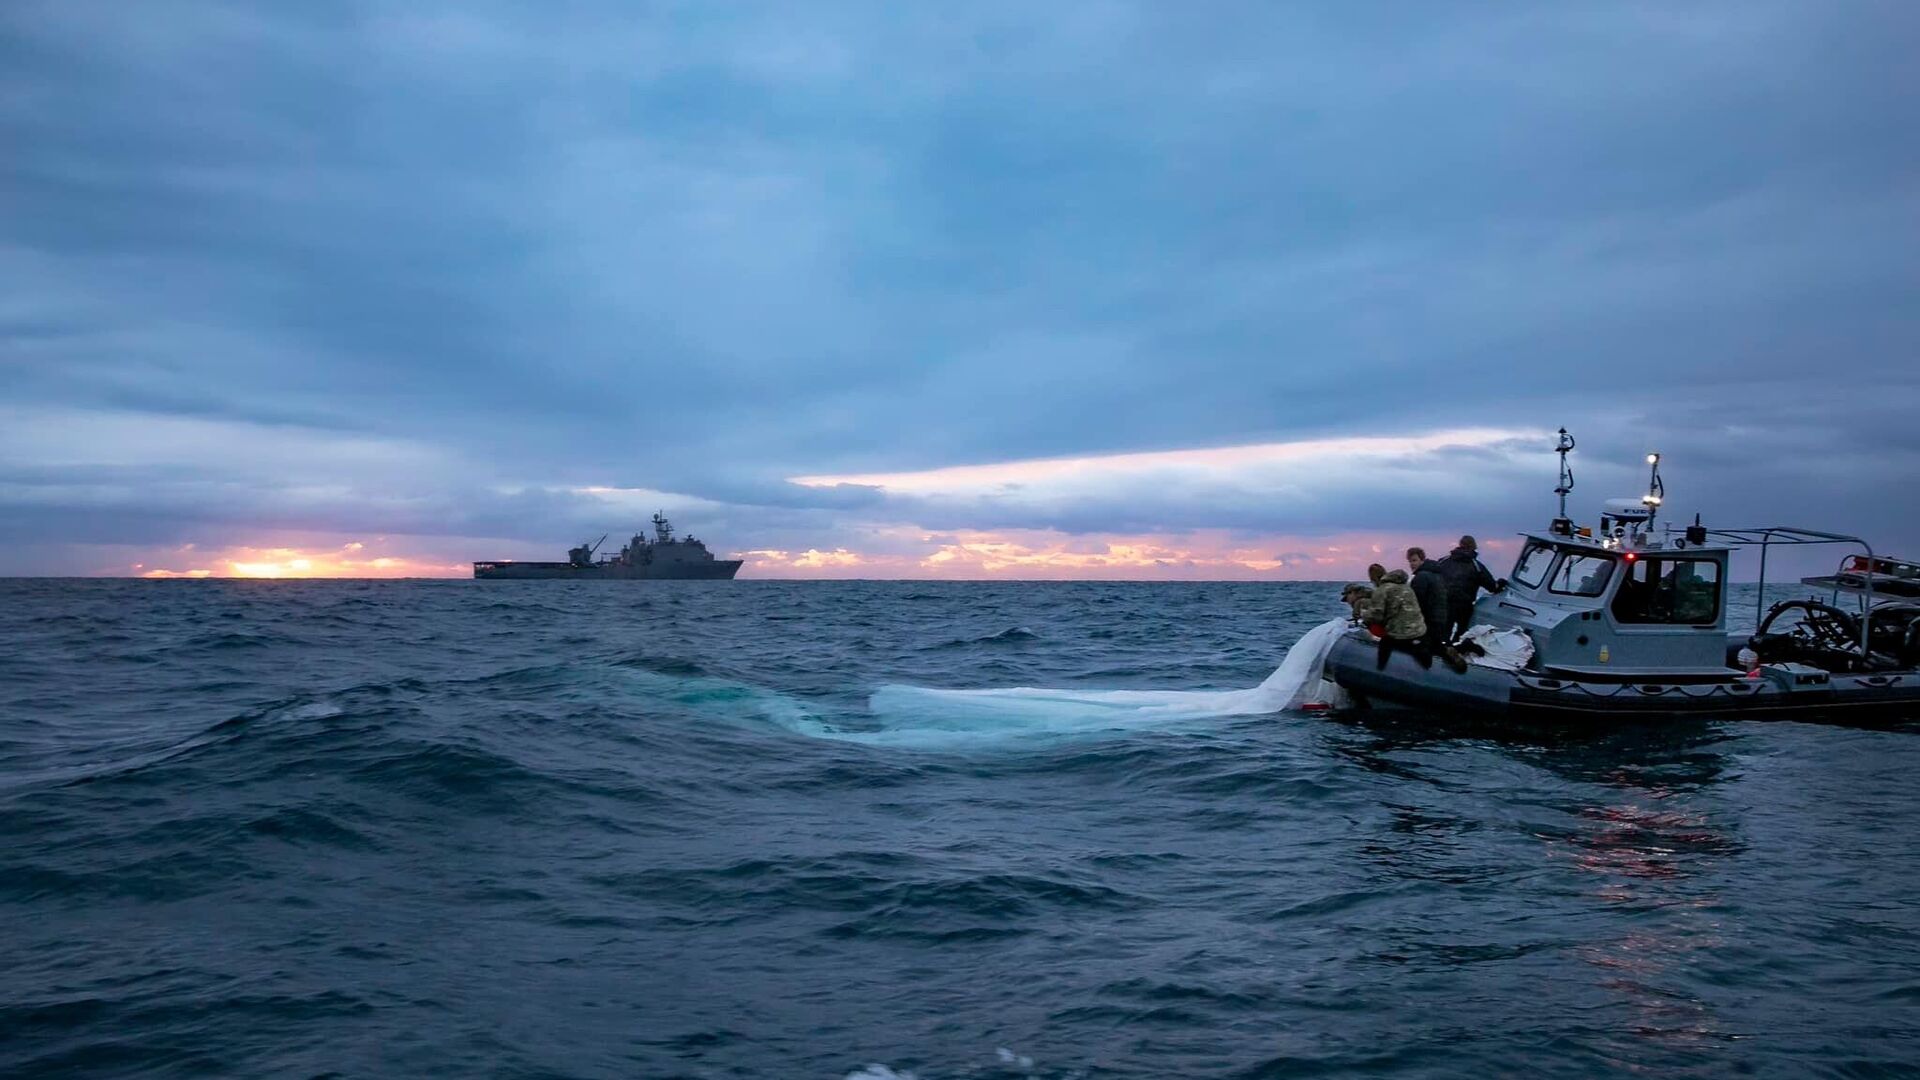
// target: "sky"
[[1103, 290]]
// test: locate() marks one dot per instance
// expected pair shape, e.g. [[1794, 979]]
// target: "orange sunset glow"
[[1042, 555], [894, 552], [347, 561]]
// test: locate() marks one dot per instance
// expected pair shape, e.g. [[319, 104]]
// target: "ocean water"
[[538, 829]]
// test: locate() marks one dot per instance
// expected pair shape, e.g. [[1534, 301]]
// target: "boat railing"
[[1765, 537]]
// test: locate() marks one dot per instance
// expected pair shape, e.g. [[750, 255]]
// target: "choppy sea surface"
[[548, 829]]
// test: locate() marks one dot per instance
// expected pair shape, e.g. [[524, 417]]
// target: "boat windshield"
[[1669, 590], [1582, 575], [1531, 570]]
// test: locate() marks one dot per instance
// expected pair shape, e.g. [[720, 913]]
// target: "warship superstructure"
[[664, 557]]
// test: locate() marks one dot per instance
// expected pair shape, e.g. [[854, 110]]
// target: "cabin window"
[[1582, 575], [1665, 590], [1532, 567]]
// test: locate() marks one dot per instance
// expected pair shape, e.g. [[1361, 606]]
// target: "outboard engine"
[[1827, 637], [1896, 634]]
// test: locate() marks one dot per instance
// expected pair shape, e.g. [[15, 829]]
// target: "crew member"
[[1354, 596], [1465, 577], [1430, 588], [1393, 613]]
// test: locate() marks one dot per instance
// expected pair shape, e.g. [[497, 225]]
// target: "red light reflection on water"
[[1650, 858], [1636, 842]]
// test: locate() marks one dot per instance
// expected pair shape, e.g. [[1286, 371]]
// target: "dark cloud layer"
[[430, 268]]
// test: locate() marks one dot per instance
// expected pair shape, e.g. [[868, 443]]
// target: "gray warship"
[[662, 558]]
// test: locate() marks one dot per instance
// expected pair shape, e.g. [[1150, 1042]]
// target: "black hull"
[[718, 570], [1531, 697]]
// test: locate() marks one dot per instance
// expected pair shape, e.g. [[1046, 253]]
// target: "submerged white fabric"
[[1507, 650], [1296, 683]]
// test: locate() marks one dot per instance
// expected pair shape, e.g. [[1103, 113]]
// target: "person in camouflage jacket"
[[1393, 614]]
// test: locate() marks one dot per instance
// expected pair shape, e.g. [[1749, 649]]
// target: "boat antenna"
[[1656, 491], [1563, 524]]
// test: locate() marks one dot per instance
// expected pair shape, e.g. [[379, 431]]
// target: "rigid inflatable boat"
[[1629, 621]]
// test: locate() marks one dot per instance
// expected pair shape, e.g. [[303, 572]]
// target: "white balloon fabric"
[[915, 714], [1506, 650]]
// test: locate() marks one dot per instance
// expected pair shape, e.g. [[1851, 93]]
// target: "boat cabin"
[[1633, 604]]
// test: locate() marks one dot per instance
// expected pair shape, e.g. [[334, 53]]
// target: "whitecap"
[[881, 1072]]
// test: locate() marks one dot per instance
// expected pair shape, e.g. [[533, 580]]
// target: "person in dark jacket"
[[1431, 590], [1465, 576]]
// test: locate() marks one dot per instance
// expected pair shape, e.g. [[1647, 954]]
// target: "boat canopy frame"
[[1764, 537]]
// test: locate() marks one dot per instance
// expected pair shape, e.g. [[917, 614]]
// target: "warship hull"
[[665, 557], [717, 570]]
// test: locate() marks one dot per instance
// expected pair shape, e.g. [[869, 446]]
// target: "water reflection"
[[1627, 832], [1627, 842], [1647, 828]]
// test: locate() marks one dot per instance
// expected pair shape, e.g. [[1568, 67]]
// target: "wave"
[[663, 665], [220, 642], [1012, 635], [686, 683], [465, 777]]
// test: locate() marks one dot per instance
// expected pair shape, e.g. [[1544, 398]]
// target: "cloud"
[[500, 279], [1265, 463]]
